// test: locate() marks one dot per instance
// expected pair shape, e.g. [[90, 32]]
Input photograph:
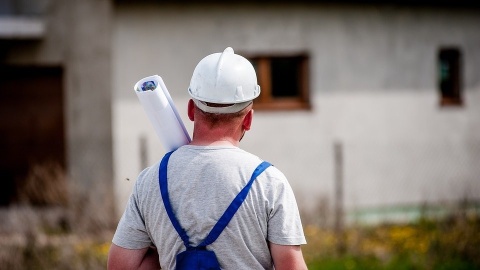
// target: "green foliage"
[[451, 244], [65, 252]]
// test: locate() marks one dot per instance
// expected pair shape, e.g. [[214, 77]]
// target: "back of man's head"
[[214, 120]]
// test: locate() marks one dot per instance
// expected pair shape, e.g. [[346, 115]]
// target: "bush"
[[55, 252], [427, 244]]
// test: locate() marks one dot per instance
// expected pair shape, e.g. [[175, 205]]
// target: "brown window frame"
[[449, 76], [267, 100]]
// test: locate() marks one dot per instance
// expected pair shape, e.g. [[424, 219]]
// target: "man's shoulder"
[[147, 175]]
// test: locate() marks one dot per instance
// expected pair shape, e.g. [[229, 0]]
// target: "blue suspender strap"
[[226, 217], [166, 199], [233, 207]]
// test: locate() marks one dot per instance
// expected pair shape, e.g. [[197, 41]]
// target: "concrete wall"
[[89, 130], [373, 88]]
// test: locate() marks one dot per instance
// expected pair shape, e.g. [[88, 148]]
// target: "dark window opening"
[[285, 77], [283, 81], [449, 73], [32, 163]]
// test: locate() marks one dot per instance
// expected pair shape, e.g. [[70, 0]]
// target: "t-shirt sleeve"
[[131, 232], [284, 224]]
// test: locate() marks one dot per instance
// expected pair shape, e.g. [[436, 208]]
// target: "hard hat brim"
[[233, 108]]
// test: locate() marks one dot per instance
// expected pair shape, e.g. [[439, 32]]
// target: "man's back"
[[202, 181]]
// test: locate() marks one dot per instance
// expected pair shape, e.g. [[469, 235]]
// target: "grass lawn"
[[452, 244]]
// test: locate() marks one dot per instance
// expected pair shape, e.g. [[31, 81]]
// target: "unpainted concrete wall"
[[373, 88], [78, 39]]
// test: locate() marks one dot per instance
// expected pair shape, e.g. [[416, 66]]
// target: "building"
[[59, 126], [382, 96]]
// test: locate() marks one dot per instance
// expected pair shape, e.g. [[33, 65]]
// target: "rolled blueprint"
[[162, 113]]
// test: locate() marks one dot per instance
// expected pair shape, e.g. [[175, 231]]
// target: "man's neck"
[[214, 142], [222, 135]]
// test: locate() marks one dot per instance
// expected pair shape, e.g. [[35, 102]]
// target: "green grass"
[[450, 244]]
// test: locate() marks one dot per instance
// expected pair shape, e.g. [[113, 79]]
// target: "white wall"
[[373, 87]]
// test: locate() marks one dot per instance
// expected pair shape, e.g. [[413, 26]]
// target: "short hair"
[[218, 119]]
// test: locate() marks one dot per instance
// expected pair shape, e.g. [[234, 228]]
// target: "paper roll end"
[[149, 83]]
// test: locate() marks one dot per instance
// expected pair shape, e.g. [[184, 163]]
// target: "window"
[[283, 81], [449, 75]]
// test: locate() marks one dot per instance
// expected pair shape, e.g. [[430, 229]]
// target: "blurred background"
[[370, 108]]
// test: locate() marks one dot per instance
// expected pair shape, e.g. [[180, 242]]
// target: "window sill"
[[451, 102], [281, 105]]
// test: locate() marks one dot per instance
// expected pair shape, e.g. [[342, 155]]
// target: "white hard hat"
[[224, 78]]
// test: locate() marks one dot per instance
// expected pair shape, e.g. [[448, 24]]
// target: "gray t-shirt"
[[202, 182]]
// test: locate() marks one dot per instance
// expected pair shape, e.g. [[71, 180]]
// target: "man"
[[204, 177]]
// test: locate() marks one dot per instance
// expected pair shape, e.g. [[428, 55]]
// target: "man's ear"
[[247, 120], [191, 109]]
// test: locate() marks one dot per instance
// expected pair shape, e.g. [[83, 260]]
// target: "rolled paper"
[[162, 113]]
